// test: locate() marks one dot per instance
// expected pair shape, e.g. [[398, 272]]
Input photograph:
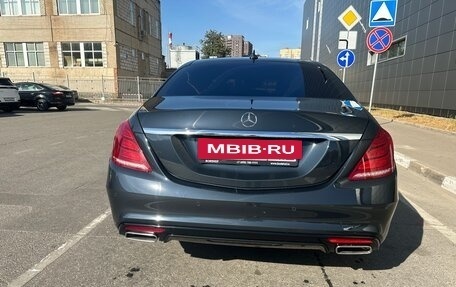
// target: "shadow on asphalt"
[[9, 115], [405, 235], [33, 110]]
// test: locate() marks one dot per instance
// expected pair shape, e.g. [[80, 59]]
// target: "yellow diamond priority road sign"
[[349, 18]]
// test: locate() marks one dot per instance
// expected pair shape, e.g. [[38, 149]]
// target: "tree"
[[213, 44]]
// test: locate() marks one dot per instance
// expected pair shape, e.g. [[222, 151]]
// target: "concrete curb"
[[110, 103], [446, 182]]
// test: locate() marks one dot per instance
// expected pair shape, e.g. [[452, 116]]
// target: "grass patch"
[[444, 124]]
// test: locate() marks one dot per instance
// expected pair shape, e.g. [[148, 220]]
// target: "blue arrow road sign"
[[382, 13], [345, 58]]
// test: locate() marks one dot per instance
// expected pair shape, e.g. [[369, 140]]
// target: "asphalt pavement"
[[429, 152]]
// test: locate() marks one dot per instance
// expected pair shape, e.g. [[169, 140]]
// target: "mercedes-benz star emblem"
[[249, 119]]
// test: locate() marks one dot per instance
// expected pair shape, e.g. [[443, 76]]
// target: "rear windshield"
[[5, 82], [53, 87], [255, 79]]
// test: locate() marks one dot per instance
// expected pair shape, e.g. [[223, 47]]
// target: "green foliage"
[[213, 44]]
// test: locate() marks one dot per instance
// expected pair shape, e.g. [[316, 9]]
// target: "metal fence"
[[138, 88], [103, 88]]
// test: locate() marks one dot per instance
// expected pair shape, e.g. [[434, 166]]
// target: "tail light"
[[351, 240], [378, 161], [143, 229], [126, 151], [57, 93]]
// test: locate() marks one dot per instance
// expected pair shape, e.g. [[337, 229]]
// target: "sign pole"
[[343, 75], [373, 81]]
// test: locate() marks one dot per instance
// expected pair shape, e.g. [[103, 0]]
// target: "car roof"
[[239, 60]]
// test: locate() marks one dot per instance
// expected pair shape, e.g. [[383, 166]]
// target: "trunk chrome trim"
[[258, 134]]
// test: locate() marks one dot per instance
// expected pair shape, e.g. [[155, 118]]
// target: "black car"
[[75, 92], [43, 96], [254, 152]]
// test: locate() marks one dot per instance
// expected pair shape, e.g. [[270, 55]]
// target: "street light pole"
[[320, 8], [312, 53]]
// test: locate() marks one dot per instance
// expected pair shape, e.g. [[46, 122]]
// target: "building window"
[[141, 19], [68, 7], [90, 7], [82, 54], [132, 13], [20, 7], [396, 50], [24, 54], [150, 25], [157, 29], [93, 55], [154, 27]]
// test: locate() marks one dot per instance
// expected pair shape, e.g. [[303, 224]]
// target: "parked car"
[[254, 152], [43, 96], [75, 92], [9, 96]]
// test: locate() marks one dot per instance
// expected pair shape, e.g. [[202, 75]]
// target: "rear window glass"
[[53, 87], [254, 79], [5, 82]]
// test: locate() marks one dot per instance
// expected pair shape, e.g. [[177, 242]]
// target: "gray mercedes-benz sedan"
[[254, 152]]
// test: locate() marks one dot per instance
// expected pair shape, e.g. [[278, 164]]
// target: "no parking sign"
[[379, 39]]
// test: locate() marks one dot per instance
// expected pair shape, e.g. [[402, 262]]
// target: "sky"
[[270, 25]]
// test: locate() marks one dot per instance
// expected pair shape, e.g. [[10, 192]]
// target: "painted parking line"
[[102, 109], [54, 255], [127, 109], [432, 221], [23, 151]]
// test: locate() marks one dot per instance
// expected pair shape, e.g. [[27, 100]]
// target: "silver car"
[[9, 95]]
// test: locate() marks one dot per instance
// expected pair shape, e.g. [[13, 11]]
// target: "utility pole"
[[320, 8], [312, 53]]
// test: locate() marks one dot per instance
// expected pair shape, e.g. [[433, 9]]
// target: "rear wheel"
[[7, 109], [62, 108], [42, 105]]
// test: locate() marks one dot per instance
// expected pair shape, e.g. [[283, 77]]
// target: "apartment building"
[[238, 45], [80, 39], [290, 53], [248, 48]]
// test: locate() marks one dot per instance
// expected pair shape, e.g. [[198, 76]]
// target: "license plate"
[[249, 151], [8, 99]]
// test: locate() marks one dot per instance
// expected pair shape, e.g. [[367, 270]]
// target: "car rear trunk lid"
[[321, 133]]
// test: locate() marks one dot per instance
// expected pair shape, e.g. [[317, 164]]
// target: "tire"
[[62, 108], [7, 109], [42, 105]]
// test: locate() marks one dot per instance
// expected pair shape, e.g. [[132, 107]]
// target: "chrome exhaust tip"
[[353, 249], [143, 237]]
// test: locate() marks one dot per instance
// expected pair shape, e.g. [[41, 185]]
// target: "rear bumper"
[[243, 238], [60, 102], [301, 219], [13, 105]]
